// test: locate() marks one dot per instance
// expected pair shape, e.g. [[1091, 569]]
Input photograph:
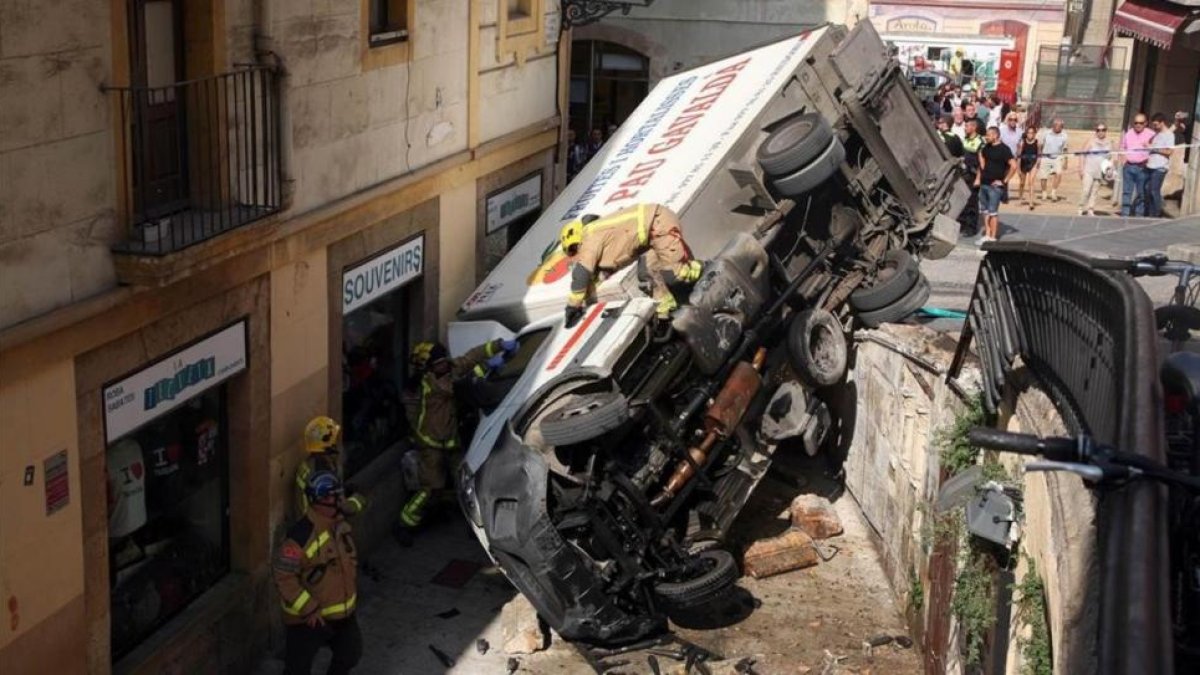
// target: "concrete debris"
[[815, 515], [482, 646], [521, 628], [512, 665], [904, 642], [791, 550]]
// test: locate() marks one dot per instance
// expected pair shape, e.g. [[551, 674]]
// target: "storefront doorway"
[[167, 467], [382, 305]]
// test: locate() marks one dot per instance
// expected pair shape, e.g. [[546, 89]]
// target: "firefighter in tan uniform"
[[605, 245], [315, 571], [321, 436], [433, 415]]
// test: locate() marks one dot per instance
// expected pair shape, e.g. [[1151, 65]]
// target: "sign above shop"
[[382, 274], [513, 202], [911, 24], [158, 389]]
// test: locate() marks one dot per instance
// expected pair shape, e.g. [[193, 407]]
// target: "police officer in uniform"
[[433, 416], [315, 572], [321, 436], [605, 245]]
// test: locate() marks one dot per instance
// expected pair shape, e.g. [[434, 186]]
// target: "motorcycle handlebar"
[[1057, 449]]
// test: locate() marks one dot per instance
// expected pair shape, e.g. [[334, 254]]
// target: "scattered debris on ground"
[[816, 516], [791, 550], [521, 627]]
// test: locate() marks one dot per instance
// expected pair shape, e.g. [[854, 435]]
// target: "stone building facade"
[[217, 220]]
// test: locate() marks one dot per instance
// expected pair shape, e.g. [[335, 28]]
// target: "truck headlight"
[[467, 497]]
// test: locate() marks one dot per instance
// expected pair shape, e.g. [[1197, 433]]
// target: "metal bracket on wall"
[[583, 12]]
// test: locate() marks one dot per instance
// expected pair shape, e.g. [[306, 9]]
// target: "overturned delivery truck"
[[612, 457]]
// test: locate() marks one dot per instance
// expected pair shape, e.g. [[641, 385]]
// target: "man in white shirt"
[[1054, 161], [1011, 133], [959, 127], [1161, 147]]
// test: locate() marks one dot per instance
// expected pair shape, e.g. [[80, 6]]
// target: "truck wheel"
[[913, 300], [585, 418], [895, 277], [794, 144], [817, 348], [813, 175], [720, 573]]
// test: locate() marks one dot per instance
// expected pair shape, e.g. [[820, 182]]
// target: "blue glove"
[[510, 347], [495, 363]]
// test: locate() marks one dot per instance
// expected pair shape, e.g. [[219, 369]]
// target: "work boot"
[[403, 535]]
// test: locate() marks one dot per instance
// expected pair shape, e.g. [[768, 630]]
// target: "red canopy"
[[1153, 21]]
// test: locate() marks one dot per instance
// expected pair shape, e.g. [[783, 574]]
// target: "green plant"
[[957, 453], [939, 527], [974, 603], [994, 470], [916, 592], [1036, 648]]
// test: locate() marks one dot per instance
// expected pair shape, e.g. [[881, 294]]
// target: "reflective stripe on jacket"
[[324, 461], [316, 570], [432, 414]]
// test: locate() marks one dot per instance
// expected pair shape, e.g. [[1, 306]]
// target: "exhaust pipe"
[[720, 420]]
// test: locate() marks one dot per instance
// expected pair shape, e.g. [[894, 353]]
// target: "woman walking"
[[1027, 157]]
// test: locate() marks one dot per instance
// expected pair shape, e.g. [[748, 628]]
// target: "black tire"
[[895, 277], [901, 309], [585, 418], [721, 574], [817, 348], [794, 144], [813, 175]]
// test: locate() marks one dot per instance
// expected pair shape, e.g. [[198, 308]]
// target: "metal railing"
[[1084, 85], [201, 158], [1088, 336]]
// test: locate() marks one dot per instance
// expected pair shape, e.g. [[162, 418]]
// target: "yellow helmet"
[[321, 433], [425, 353], [571, 236]]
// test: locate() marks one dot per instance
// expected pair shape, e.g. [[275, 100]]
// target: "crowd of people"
[[580, 152], [999, 142]]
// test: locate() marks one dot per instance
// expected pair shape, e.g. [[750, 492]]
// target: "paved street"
[[1104, 236]]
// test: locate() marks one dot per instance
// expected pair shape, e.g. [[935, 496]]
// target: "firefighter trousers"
[[342, 637]]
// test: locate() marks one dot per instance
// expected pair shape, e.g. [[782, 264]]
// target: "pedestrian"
[[1133, 157], [957, 126], [1011, 132], [1029, 158], [432, 411], [982, 110], [576, 155], [1183, 134], [605, 245], [315, 572], [971, 112], [968, 219], [996, 167], [1054, 159], [1158, 162], [321, 437], [953, 143], [1097, 152], [595, 142]]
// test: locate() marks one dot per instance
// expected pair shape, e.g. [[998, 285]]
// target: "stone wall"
[[57, 189], [895, 402]]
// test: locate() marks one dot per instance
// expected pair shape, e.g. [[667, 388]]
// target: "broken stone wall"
[[896, 400]]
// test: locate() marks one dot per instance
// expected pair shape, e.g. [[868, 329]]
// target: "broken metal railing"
[[1088, 337]]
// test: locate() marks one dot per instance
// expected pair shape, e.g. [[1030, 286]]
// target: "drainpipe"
[[265, 54]]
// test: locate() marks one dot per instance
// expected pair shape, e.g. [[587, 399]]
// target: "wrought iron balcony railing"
[[200, 158]]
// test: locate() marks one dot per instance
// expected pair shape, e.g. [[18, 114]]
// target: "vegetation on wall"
[[956, 451], [1036, 647], [974, 603]]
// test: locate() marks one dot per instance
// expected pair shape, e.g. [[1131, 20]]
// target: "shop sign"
[[911, 24], [58, 482], [156, 390], [512, 203], [382, 274]]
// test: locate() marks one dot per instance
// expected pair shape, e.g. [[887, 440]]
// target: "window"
[[520, 17], [388, 22], [168, 520]]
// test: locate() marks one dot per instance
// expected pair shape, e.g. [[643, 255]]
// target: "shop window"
[[168, 520], [375, 344], [388, 22]]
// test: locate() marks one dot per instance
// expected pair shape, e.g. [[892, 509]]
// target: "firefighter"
[[433, 416], [605, 245], [315, 571], [321, 436]]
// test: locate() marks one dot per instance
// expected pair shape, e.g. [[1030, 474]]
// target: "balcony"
[[200, 158]]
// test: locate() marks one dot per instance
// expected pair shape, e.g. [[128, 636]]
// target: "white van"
[[614, 455]]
